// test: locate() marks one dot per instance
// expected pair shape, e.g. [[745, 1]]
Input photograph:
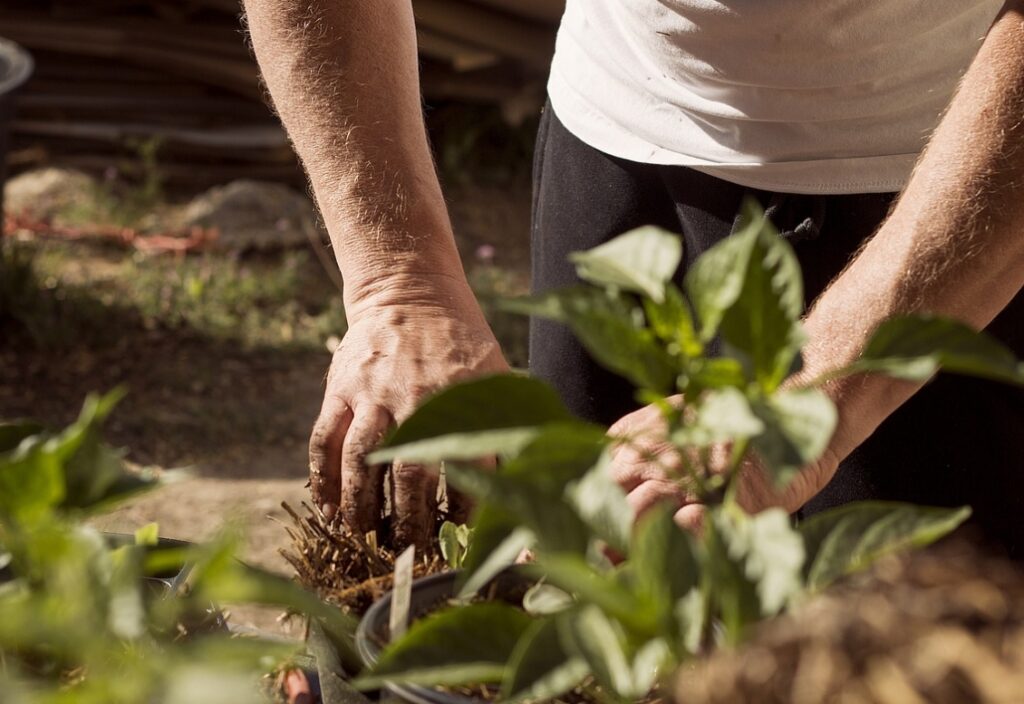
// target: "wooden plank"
[[528, 42], [547, 11], [462, 56]]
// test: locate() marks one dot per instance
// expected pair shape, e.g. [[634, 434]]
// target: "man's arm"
[[953, 246], [344, 79]]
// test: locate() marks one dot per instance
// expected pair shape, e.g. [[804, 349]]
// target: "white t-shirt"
[[800, 96]]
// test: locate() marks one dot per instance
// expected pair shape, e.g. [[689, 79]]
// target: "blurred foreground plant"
[[81, 617], [616, 628]]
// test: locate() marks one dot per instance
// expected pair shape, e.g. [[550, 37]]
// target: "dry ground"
[[224, 360]]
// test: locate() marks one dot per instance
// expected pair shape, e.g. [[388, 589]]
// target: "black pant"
[[957, 441]]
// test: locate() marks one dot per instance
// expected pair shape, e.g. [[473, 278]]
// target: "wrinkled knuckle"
[[409, 473]]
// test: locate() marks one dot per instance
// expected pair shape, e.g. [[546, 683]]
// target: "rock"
[[50, 193], [253, 215]]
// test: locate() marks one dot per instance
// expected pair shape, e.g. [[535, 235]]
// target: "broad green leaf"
[[612, 330], [798, 427], [31, 480], [722, 415], [492, 526], [540, 511], [749, 289], [501, 558], [716, 280], [334, 680], [641, 261], [852, 537], [664, 564], [540, 669], [690, 614], [916, 347], [652, 660], [461, 645], [601, 503], [126, 614], [770, 551], [590, 635], [12, 433], [148, 534], [457, 446], [672, 321], [712, 373], [573, 575], [546, 600], [531, 488], [559, 454], [508, 406]]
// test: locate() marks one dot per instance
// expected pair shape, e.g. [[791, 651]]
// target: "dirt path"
[[237, 420]]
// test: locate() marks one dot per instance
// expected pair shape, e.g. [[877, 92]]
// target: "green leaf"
[[12, 433], [672, 322], [546, 600], [507, 406], [750, 290], [502, 557], [852, 537], [601, 503], [572, 574], [542, 512], [457, 446], [664, 564], [770, 551], [335, 687], [599, 641], [798, 427], [453, 541], [492, 527], [148, 534], [462, 645], [916, 347], [611, 328], [31, 480], [652, 660], [540, 669], [722, 415], [640, 261]]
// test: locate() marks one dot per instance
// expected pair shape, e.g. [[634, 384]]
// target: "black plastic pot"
[[164, 584], [15, 68], [429, 594]]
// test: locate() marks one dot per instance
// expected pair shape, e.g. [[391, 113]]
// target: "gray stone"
[[253, 215], [49, 193]]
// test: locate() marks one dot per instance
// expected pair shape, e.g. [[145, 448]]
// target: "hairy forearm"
[[954, 243], [343, 75]]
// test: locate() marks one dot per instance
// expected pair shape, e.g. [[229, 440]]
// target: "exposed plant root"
[[345, 569]]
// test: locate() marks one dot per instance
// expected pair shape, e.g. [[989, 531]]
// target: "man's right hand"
[[393, 356]]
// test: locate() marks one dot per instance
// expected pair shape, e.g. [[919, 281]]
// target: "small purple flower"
[[485, 253]]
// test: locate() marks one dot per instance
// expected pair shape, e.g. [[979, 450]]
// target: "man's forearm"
[[343, 75], [954, 243]]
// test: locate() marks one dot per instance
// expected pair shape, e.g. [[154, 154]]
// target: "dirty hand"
[[393, 356]]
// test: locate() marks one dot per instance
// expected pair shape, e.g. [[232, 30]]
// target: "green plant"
[[615, 627], [79, 622]]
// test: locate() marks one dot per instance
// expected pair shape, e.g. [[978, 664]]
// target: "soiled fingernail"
[[329, 511]]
